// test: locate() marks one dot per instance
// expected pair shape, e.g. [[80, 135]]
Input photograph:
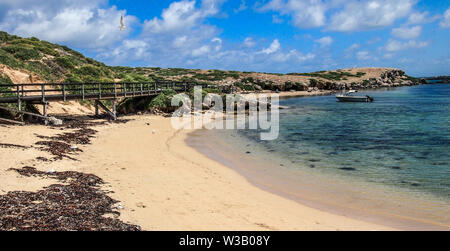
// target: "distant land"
[[438, 79]]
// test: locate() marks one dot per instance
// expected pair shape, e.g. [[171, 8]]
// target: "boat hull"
[[354, 99]]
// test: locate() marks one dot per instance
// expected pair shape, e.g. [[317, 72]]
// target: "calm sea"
[[400, 140]]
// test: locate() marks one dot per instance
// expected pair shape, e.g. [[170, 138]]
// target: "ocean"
[[401, 141]]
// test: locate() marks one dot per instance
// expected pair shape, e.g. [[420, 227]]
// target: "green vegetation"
[[330, 75], [163, 101], [216, 75]]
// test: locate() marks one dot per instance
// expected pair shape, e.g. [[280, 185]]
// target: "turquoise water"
[[401, 140]]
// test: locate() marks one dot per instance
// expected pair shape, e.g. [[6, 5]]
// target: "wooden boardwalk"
[[53, 92], [41, 93]]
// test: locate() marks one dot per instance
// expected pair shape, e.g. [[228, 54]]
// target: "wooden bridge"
[[52, 92]]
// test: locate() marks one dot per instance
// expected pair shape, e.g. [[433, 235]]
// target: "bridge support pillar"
[[99, 104], [45, 104], [96, 108]]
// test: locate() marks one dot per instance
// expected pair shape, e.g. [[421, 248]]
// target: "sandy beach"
[[162, 183]]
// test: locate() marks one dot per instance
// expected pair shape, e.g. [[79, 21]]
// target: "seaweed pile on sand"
[[76, 204]]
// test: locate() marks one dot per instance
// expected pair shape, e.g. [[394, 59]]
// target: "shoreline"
[[163, 184], [322, 192]]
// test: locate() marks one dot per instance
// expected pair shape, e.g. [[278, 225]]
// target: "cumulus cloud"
[[305, 13], [83, 24], [394, 45], [445, 23], [351, 15], [407, 32], [422, 18], [362, 55], [325, 41], [128, 50], [274, 47], [366, 15], [248, 42]]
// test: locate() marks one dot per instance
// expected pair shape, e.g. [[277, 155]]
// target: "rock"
[[139, 113], [153, 131], [74, 147], [51, 171], [348, 168], [55, 121]]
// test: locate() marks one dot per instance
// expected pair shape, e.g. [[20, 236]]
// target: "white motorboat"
[[349, 97]]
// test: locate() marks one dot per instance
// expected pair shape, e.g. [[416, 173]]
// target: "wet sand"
[[355, 199]]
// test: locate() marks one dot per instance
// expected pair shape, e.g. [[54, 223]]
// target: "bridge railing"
[[64, 91]]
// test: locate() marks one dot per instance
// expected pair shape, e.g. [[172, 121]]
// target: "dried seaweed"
[[78, 205], [3, 145]]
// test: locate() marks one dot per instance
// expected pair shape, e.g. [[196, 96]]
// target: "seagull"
[[122, 26]]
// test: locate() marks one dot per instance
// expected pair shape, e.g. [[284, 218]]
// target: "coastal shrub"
[[65, 62], [330, 75], [163, 101], [47, 50], [7, 59], [88, 70], [288, 85], [73, 52], [312, 82], [22, 53], [71, 78], [4, 37]]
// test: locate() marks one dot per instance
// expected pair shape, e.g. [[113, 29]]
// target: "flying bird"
[[122, 25]]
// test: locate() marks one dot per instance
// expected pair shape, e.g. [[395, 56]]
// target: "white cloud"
[[277, 20], [274, 47], [201, 51], [366, 15], [129, 50], [248, 42], [350, 15], [242, 7], [407, 33], [363, 55], [292, 55], [353, 47], [394, 45], [422, 18], [218, 43], [83, 24], [325, 41], [445, 23], [305, 13]]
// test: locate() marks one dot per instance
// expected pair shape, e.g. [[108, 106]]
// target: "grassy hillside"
[[48, 62]]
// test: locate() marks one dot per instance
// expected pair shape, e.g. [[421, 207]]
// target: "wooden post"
[[45, 113], [124, 89], [82, 90], [114, 109], [43, 92], [115, 91], [134, 90], [142, 90], [155, 87], [64, 92], [19, 103], [96, 107], [99, 90]]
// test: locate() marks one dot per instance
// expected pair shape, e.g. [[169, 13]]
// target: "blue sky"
[[246, 35]]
